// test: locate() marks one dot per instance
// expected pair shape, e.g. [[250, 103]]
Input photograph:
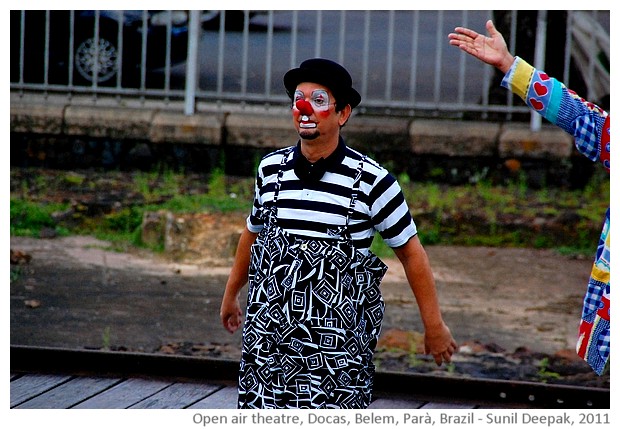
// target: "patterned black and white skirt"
[[313, 318]]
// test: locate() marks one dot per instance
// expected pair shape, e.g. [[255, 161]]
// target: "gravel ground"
[[514, 312]]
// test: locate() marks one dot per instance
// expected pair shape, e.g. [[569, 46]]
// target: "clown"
[[315, 308], [590, 126]]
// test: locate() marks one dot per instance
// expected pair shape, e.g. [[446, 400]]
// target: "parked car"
[[234, 19], [73, 41]]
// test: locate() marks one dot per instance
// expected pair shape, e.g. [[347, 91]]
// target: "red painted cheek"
[[324, 114]]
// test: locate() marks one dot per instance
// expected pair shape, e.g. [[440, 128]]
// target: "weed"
[[543, 371], [16, 273], [106, 338], [28, 217], [413, 360], [217, 183]]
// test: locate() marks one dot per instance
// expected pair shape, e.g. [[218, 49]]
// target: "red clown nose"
[[304, 107]]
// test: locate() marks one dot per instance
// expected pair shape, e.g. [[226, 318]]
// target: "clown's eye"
[[298, 96], [319, 100]]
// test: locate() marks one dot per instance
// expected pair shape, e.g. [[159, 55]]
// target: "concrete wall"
[[414, 146]]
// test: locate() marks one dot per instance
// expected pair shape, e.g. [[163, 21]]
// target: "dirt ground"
[[504, 303]]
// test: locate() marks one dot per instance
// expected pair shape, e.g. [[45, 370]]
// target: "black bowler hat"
[[327, 73]]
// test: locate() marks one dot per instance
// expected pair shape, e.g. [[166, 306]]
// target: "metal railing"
[[400, 60]]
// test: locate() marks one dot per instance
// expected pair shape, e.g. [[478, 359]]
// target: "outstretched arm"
[[491, 50], [588, 123]]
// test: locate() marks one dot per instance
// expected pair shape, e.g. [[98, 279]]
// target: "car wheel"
[[101, 59]]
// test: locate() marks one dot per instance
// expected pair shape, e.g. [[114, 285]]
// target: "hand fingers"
[[442, 357], [465, 33], [491, 28], [461, 41], [446, 355], [231, 322]]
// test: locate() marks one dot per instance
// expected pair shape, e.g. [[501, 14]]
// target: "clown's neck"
[[314, 150]]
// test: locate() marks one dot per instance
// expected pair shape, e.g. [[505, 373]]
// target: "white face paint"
[[319, 99]]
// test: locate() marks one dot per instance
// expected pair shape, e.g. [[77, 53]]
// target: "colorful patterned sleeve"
[[587, 122]]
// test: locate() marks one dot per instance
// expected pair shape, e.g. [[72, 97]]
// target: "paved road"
[[76, 294], [431, 40]]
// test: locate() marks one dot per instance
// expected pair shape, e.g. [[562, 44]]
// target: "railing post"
[[539, 60], [192, 62]]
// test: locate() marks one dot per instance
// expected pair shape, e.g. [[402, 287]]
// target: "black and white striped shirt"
[[313, 208]]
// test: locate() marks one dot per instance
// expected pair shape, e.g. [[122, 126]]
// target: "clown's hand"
[[491, 50]]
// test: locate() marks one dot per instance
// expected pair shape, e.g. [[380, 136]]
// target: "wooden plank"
[[395, 403], [177, 396], [30, 385], [224, 399], [125, 394], [448, 405], [382, 399], [70, 393]]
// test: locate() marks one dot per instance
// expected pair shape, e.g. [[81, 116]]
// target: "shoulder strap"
[[344, 230], [276, 193]]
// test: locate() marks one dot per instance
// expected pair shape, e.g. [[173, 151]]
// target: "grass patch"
[[111, 206], [481, 214], [28, 218]]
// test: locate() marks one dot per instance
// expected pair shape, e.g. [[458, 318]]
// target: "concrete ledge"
[[261, 131], [177, 127], [519, 142], [453, 138], [368, 133], [37, 118], [272, 130], [118, 123]]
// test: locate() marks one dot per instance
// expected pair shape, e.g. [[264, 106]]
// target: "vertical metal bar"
[[96, 60], [119, 36], [245, 49], [343, 36], [319, 31], [539, 59], [71, 62], [294, 31], [269, 53], [365, 53], [144, 48], [390, 57], [192, 62], [486, 83], [22, 38], [438, 57], [168, 54], [220, 53], [512, 48], [462, 66], [413, 74], [46, 58], [569, 46]]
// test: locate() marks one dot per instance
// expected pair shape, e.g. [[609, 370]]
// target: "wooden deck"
[[55, 391], [69, 379]]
